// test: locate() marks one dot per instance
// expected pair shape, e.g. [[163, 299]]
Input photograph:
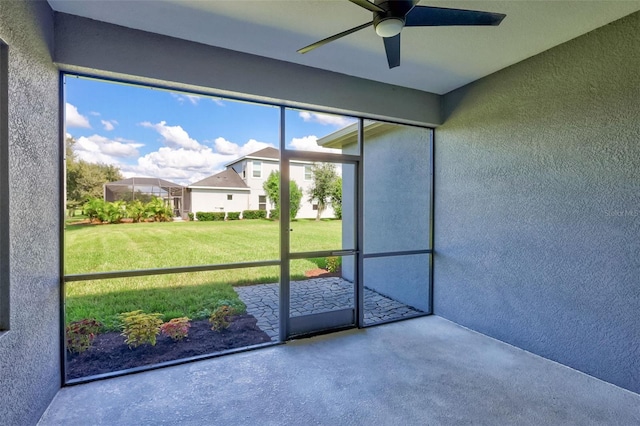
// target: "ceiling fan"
[[390, 16]]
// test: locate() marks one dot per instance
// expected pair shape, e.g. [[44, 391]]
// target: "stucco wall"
[[538, 204], [30, 350], [396, 212], [396, 215]]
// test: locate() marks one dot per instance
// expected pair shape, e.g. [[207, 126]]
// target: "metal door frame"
[[333, 320]]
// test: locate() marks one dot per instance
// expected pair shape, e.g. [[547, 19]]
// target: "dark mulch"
[[109, 353], [321, 273]]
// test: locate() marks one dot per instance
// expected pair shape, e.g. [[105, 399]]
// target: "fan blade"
[[333, 37], [368, 5], [392, 47], [400, 7], [427, 16]]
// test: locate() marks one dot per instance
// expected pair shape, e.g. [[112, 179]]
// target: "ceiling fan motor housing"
[[391, 22]]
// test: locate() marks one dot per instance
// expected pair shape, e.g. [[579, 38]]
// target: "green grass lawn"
[[99, 248]]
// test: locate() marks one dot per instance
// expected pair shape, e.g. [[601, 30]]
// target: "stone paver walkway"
[[314, 296]]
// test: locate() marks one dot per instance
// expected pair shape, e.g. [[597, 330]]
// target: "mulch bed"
[[321, 273], [109, 353]]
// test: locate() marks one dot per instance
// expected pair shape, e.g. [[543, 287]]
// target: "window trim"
[[310, 178], [4, 189], [255, 169]]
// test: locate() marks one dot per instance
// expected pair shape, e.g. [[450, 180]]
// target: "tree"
[[336, 198], [295, 199], [272, 189], [85, 180], [323, 176]]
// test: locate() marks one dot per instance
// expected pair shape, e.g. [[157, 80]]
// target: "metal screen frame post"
[[360, 229], [285, 275]]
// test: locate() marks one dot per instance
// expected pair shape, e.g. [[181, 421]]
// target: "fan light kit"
[[389, 27], [391, 16]]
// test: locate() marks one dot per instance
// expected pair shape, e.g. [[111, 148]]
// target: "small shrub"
[[219, 319], [333, 264], [191, 216], [94, 209], [114, 212], [233, 216], [80, 334], [203, 216], [210, 216], [254, 214], [274, 214], [177, 328], [135, 210], [140, 328], [158, 210]]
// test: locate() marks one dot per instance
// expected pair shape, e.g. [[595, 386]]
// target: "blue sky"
[[176, 136]]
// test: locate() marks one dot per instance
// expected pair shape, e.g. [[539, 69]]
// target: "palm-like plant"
[[135, 210], [158, 210]]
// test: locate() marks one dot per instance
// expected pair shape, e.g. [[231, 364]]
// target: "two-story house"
[[240, 186]]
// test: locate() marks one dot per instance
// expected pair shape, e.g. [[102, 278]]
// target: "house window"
[[308, 175], [229, 197], [4, 187], [257, 169], [262, 202], [315, 207]]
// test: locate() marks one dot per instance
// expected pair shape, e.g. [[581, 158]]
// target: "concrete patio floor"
[[415, 372]]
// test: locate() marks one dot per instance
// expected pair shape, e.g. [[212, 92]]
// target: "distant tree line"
[[85, 180]]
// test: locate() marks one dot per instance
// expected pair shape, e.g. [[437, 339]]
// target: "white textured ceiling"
[[436, 59]]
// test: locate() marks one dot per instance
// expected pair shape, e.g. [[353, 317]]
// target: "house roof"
[[349, 135], [268, 153], [225, 179]]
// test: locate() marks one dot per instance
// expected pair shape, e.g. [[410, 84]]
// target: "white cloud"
[[326, 119], [218, 101], [73, 118], [309, 143], [223, 146], [109, 125], [252, 146], [182, 98], [99, 149], [96, 114], [181, 165], [174, 136]]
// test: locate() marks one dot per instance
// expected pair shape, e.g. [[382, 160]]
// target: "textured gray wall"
[[396, 216], [538, 204], [396, 213], [103, 49], [30, 350]]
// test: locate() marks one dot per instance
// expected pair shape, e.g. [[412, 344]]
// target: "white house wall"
[[215, 200], [256, 184], [296, 173]]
